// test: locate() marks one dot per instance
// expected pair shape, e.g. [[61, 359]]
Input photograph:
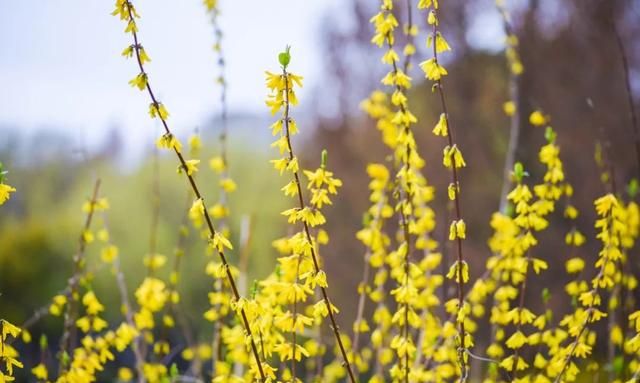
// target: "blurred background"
[[67, 117]]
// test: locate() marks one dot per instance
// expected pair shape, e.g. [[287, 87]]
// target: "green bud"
[[510, 210], [323, 159], [632, 188], [549, 134], [3, 172], [518, 171], [285, 57], [546, 295], [44, 343], [618, 365], [366, 219], [173, 371], [65, 358], [254, 289]]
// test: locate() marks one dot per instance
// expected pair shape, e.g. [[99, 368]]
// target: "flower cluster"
[[8, 355], [299, 271], [419, 311], [5, 189]]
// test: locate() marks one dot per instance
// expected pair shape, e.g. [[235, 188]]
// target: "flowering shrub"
[[417, 332]]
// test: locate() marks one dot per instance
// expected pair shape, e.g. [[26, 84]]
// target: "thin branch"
[[196, 191], [458, 209], [629, 92], [69, 334], [314, 258]]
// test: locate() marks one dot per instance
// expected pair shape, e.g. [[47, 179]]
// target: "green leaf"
[[285, 57]]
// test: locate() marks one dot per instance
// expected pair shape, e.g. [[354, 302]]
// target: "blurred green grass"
[[40, 226]]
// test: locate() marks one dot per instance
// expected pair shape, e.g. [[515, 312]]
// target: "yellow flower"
[[109, 253], [507, 363], [431, 18], [4, 192], [390, 57], [539, 264], [158, 110], [217, 164], [440, 43], [87, 236], [144, 58], [574, 265], [604, 204], [517, 340], [197, 208], [58, 304], [169, 141], [191, 167], [509, 108], [140, 81], [441, 128], [290, 189], [218, 211], [276, 127], [40, 372], [571, 212], [8, 329], [432, 70], [452, 191], [457, 229], [453, 155], [128, 51], [453, 271], [220, 242], [320, 279], [154, 261], [125, 374], [103, 235], [228, 185], [537, 118], [131, 27]]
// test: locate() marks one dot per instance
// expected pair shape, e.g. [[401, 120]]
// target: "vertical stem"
[[514, 130], [155, 212], [196, 191], [307, 232], [458, 210], [68, 336], [632, 111]]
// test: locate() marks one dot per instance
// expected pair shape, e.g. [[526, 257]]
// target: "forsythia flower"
[[169, 141], [109, 253], [191, 167], [433, 71], [219, 242], [158, 110], [452, 155], [509, 108], [537, 118], [441, 127], [4, 192], [140, 81]]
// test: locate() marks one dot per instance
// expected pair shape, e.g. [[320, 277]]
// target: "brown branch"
[[196, 191], [627, 83], [69, 334], [458, 210], [307, 232]]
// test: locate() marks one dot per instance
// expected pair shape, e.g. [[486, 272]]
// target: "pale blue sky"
[[60, 63]]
